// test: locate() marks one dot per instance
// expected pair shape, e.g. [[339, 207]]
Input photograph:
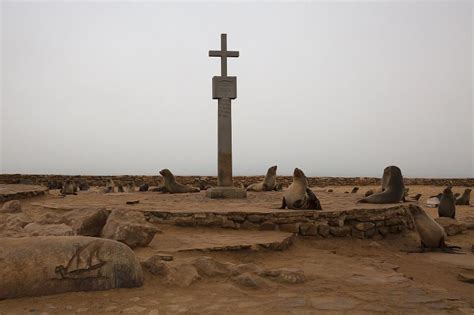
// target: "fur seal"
[[299, 196], [268, 184], [68, 188], [202, 183], [109, 186], [447, 204], [120, 188], [143, 187], [465, 198], [354, 190], [83, 186], [432, 235], [174, 187], [416, 197], [392, 185]]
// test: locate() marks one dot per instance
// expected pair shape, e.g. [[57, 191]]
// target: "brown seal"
[[447, 204], [68, 188], [354, 190], [299, 196], [392, 186], [465, 198], [174, 187], [268, 184], [432, 235]]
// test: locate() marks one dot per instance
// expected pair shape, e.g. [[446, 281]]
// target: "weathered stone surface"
[[250, 280], [364, 226], [87, 222], [243, 268], [339, 231], [335, 303], [12, 206], [308, 229], [357, 234], [370, 233], [451, 226], [208, 266], [156, 266], [65, 264], [255, 218], [182, 275], [323, 230], [284, 275], [129, 227], [383, 230], [35, 229], [394, 221]]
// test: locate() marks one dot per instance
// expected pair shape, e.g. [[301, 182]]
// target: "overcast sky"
[[337, 89]]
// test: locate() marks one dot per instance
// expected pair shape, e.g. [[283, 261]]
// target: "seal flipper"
[[283, 203], [314, 203]]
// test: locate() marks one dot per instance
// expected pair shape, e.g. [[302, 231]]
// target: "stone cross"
[[224, 89]]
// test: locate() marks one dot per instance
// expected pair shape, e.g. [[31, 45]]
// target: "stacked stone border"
[[358, 223], [33, 192], [245, 180]]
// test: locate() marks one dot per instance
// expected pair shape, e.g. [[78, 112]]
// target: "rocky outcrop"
[[129, 227], [65, 264], [35, 229]]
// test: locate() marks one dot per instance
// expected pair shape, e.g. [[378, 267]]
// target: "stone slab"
[[13, 191]]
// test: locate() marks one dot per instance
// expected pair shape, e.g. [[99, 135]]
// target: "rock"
[[340, 231], [144, 187], [309, 229], [244, 268], [291, 228], [87, 222], [129, 227], [451, 226], [323, 230], [65, 264], [364, 226], [12, 206], [208, 266], [50, 218], [285, 275], [255, 218], [249, 280], [156, 266], [35, 229], [182, 275], [464, 277], [268, 226]]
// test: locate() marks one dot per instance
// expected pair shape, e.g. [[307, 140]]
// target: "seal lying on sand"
[[465, 198], [172, 186], [392, 186], [447, 204], [432, 235], [299, 196], [268, 184]]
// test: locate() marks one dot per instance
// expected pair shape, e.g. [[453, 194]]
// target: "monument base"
[[226, 193]]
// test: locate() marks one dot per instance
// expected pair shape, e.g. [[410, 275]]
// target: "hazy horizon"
[[337, 89]]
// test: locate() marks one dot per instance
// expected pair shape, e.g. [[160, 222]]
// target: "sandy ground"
[[342, 275]]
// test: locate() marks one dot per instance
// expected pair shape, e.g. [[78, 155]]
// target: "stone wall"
[[245, 180], [358, 223]]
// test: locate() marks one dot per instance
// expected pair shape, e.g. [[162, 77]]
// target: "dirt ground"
[[343, 275]]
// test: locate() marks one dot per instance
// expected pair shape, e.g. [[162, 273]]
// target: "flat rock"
[[129, 227], [35, 229], [284, 275], [250, 280], [451, 226], [208, 266], [65, 264]]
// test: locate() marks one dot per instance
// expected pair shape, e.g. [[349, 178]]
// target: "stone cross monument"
[[224, 89]]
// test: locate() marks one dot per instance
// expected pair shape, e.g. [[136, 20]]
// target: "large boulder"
[[33, 266], [451, 226], [87, 222], [11, 225], [12, 206], [129, 227], [35, 229]]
